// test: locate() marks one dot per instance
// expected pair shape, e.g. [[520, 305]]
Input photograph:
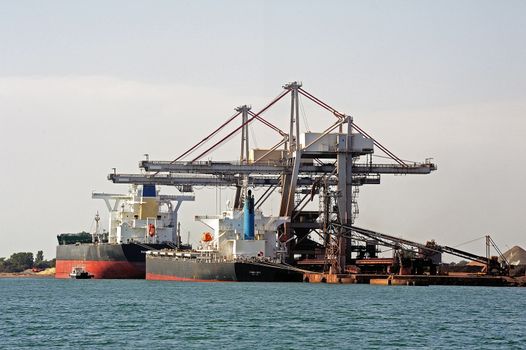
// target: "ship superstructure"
[[142, 215], [241, 234]]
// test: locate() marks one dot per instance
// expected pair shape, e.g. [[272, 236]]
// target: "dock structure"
[[328, 166]]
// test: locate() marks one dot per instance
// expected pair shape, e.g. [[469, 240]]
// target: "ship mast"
[[95, 236]]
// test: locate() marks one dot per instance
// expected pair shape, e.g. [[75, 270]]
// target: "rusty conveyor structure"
[[383, 239]]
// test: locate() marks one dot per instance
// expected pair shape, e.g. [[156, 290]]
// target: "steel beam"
[[181, 180], [208, 167]]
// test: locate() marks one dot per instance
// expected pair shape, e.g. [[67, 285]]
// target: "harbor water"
[[116, 314]]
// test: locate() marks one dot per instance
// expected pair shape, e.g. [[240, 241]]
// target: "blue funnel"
[[248, 216]]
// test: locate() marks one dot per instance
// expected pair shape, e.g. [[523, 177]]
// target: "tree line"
[[19, 262]]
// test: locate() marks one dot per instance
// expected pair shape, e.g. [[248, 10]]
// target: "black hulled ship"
[[243, 247]]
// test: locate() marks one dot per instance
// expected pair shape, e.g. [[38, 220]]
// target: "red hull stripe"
[[157, 277], [102, 269]]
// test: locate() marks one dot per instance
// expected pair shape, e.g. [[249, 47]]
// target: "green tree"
[[21, 261], [39, 258], [2, 265]]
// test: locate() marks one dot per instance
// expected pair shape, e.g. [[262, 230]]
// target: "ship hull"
[[169, 269], [104, 261]]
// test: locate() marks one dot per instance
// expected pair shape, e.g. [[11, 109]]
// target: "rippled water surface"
[[98, 314]]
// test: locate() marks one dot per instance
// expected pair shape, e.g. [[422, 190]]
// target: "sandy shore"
[[24, 275], [48, 273]]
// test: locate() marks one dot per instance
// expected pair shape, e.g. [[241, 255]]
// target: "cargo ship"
[[139, 221], [242, 247]]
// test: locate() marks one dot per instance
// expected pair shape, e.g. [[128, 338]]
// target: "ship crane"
[[295, 164]]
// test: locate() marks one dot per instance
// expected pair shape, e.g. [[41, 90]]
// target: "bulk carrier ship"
[[243, 247], [140, 220]]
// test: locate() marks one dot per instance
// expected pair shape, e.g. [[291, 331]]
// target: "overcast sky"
[[87, 86]]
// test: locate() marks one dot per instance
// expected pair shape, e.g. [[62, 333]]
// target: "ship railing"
[[252, 259], [171, 253]]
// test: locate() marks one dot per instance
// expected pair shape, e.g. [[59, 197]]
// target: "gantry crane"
[[301, 165]]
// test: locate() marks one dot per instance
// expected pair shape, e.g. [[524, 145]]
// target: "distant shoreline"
[[27, 274]]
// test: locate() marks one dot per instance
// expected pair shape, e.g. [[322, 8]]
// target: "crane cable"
[[467, 242], [304, 115]]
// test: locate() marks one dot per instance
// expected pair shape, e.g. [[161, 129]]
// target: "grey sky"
[[87, 86]]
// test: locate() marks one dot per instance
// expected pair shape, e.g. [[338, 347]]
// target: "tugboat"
[[243, 247], [79, 274]]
